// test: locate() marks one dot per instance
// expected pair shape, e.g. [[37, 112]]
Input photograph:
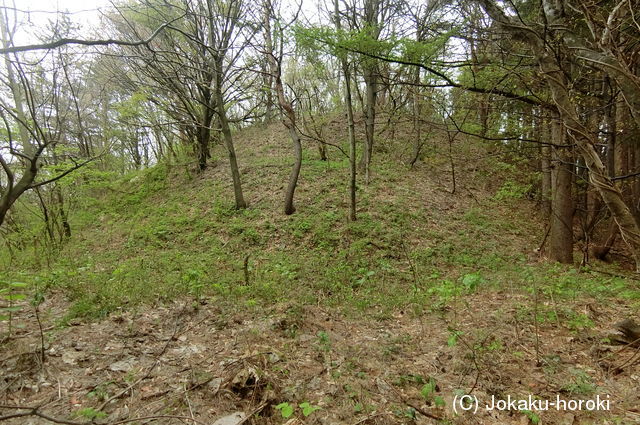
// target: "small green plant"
[[470, 281], [444, 292], [409, 412], [580, 322], [101, 391], [533, 417], [363, 276], [454, 335], [512, 190], [286, 271], [11, 292], [403, 380], [308, 409], [286, 409], [581, 383], [428, 392], [192, 278], [90, 413], [323, 341]]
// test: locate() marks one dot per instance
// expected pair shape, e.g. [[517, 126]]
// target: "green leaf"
[[308, 409], [11, 309], [453, 338], [410, 413], [533, 417], [439, 401], [18, 284], [286, 410], [471, 281], [38, 298], [428, 389]]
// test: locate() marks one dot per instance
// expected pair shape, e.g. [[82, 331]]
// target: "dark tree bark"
[[545, 168], [559, 86], [561, 219]]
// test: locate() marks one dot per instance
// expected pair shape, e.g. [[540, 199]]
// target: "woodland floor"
[[196, 361], [457, 301]]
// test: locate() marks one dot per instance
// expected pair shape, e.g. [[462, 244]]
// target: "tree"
[[558, 33], [34, 106], [193, 64], [274, 51], [346, 72]]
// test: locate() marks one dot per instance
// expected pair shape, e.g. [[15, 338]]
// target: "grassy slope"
[[425, 284], [167, 232]]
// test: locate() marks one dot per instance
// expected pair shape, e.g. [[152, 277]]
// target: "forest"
[[320, 212]]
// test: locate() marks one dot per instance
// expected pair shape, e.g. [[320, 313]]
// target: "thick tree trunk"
[[545, 169], [371, 17], [598, 175], [585, 142], [13, 192], [561, 220], [17, 92], [636, 183], [268, 93], [352, 143], [204, 135]]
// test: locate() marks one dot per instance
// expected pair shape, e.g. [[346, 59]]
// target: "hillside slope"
[[166, 233], [167, 301]]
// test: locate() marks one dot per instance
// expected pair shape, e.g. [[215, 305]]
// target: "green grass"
[[160, 234]]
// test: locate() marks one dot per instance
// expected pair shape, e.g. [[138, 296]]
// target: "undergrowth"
[[164, 233]]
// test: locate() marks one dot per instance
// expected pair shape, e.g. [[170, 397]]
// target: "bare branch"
[[67, 41]]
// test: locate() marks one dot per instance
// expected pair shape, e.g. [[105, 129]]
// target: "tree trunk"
[[370, 79], [268, 93], [228, 140], [561, 242], [289, 208], [371, 16], [585, 142], [13, 192], [322, 151], [417, 116], [545, 169], [352, 148], [289, 115], [64, 218], [350, 124], [204, 135]]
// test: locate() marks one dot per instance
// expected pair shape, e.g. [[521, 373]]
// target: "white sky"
[[36, 13], [61, 5]]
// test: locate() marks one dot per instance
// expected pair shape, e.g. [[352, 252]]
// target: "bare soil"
[[194, 363]]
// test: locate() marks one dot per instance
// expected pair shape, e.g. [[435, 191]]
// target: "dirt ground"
[[197, 363]]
